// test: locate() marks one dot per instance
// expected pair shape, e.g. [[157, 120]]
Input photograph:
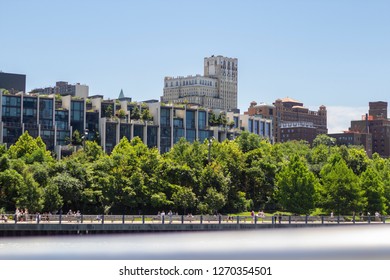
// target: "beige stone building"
[[216, 89]]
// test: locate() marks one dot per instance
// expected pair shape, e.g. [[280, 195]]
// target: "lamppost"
[[210, 139], [85, 137], [331, 143]]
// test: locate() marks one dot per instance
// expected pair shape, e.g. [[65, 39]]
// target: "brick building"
[[291, 120], [377, 124]]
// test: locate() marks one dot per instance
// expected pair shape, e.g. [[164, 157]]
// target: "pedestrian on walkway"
[[170, 216]]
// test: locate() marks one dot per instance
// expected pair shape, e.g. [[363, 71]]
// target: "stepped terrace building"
[[55, 119]]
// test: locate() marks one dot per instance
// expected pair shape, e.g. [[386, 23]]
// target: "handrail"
[[186, 219]]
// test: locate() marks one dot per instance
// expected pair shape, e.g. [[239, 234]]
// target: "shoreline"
[[52, 229]]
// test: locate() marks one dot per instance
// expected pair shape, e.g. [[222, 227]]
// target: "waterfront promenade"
[[103, 224]]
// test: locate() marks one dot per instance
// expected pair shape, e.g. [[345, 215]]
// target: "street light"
[[331, 142], [85, 137], [210, 139]]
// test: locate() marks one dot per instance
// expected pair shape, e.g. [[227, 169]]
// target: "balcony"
[[137, 122]]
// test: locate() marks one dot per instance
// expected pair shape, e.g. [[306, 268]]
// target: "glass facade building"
[[77, 115], [55, 121], [165, 128], [30, 116]]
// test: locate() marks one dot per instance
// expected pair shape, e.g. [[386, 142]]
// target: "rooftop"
[[288, 99]]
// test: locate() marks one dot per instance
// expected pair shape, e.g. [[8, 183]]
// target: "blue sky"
[[333, 53]]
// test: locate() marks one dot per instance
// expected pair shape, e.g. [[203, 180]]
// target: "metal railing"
[[186, 219]]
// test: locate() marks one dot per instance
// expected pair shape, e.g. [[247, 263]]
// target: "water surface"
[[327, 243]]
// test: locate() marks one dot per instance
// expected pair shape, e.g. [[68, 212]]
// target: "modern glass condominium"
[[56, 119]]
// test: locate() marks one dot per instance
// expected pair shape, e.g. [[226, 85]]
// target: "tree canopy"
[[243, 174]]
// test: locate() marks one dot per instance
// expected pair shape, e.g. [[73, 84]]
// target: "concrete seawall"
[[7, 229]]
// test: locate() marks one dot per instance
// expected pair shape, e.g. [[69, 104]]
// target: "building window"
[[202, 120], [165, 117]]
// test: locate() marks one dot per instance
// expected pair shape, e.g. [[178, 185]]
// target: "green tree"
[[4, 163], [135, 113], [40, 173], [213, 202], [232, 161], [340, 190], [29, 150], [317, 158], [296, 187], [176, 173], [108, 111], [282, 151], [70, 189], [93, 151], [194, 155], [222, 120], [121, 114], [248, 141], [259, 176], [213, 177], [184, 198], [18, 165], [382, 167], [146, 115], [11, 182], [3, 149], [213, 120], [52, 199], [357, 160], [77, 169], [323, 139], [241, 203], [76, 138], [24, 147], [374, 191], [159, 200], [30, 195]]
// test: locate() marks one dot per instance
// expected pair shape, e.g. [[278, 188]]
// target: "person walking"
[[162, 216], [253, 216], [78, 216], [261, 215]]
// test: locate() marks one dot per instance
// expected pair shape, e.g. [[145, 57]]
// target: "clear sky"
[[321, 52]]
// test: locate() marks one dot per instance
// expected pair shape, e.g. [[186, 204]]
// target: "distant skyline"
[[332, 53]]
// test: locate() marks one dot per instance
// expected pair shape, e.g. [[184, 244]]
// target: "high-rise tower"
[[224, 69], [216, 89]]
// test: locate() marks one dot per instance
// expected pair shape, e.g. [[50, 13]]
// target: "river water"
[[323, 243]]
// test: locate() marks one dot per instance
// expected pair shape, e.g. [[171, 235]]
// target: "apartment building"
[[216, 89], [12, 82], [354, 138], [291, 120], [376, 123], [64, 88], [55, 119]]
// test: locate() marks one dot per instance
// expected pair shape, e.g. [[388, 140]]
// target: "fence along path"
[[186, 219]]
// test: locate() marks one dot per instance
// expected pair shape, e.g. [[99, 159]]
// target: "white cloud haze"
[[340, 117]]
